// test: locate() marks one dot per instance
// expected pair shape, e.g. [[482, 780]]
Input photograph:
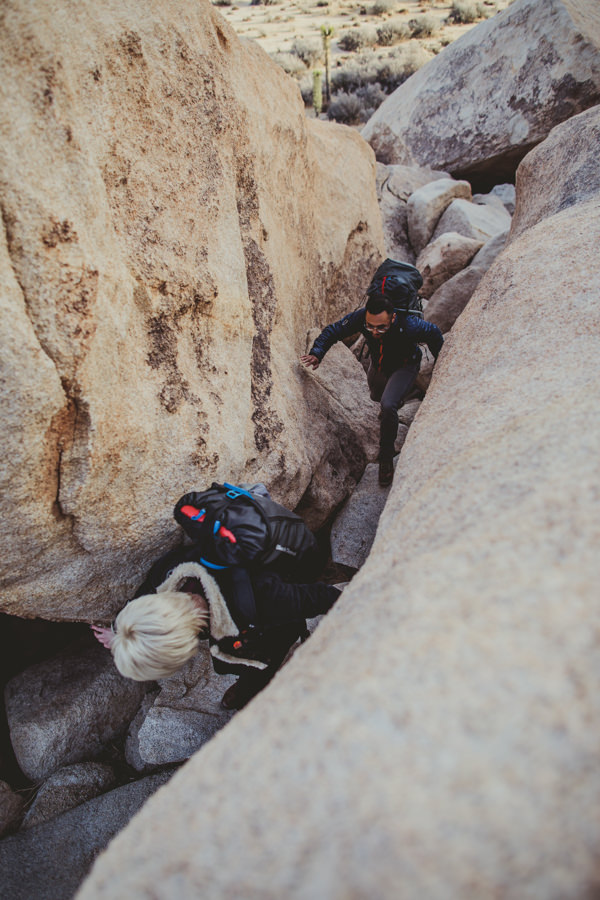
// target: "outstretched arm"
[[344, 328]]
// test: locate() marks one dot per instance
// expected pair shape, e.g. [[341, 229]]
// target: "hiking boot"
[[242, 692], [386, 472]]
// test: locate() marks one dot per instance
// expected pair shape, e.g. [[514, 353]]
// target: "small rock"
[[507, 193], [451, 298], [407, 413], [184, 715], [400, 437], [67, 788], [425, 372], [132, 749], [490, 199], [338, 393], [443, 258], [473, 221], [66, 709], [426, 205]]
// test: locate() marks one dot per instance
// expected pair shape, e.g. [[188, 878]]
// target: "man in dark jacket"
[[392, 337]]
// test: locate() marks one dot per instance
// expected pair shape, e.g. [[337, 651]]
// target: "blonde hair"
[[156, 635]]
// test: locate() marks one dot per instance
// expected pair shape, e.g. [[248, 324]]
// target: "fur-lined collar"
[[221, 623]]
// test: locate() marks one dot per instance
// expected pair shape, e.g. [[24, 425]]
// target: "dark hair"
[[377, 303]]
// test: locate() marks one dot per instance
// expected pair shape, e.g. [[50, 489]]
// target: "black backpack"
[[237, 528], [399, 283]]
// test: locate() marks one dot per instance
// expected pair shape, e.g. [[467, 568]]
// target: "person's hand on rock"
[[310, 361], [105, 635]]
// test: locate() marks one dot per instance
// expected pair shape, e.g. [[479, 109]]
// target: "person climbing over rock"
[[392, 335], [157, 633], [235, 584]]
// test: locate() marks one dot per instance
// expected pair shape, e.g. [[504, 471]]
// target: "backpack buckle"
[[233, 492]]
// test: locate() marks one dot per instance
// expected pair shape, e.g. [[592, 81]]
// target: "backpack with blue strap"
[[235, 527]]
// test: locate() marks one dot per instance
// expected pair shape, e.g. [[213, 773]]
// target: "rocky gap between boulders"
[[28, 643]]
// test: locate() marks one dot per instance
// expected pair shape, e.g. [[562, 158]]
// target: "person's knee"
[[389, 406]]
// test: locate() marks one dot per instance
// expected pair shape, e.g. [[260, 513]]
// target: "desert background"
[[374, 47]]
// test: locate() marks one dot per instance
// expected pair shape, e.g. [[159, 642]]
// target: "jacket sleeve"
[[343, 328], [279, 602], [423, 332]]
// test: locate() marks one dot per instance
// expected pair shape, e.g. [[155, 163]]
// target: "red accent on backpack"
[[226, 533], [191, 512]]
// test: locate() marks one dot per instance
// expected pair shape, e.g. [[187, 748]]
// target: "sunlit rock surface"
[[172, 228]]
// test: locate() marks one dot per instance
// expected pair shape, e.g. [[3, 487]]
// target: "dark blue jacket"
[[393, 350]]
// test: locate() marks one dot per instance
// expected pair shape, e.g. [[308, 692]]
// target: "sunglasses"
[[377, 329]]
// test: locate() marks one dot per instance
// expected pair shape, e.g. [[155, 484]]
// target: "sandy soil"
[[277, 26]]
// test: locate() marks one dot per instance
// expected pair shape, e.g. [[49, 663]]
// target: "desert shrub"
[[390, 34], [310, 52], [345, 108], [322, 3], [381, 7], [423, 26], [262, 2], [357, 107], [289, 62], [222, 2], [350, 41], [389, 73], [465, 12], [400, 65], [348, 78], [371, 97], [360, 88], [357, 39], [353, 75]]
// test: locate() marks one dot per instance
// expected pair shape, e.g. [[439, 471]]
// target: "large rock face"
[[173, 226], [505, 84], [437, 737]]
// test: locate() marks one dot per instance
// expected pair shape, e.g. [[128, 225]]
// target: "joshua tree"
[[318, 91], [327, 34]]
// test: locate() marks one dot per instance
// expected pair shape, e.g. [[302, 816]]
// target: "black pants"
[[390, 390]]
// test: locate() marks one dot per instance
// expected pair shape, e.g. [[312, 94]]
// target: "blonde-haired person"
[[157, 633]]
